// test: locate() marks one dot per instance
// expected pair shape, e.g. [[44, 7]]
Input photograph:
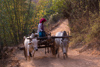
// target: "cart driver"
[[40, 30]]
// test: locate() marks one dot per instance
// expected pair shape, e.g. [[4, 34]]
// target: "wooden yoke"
[[52, 37]]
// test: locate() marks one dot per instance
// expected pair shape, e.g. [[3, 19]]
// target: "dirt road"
[[75, 59], [62, 27], [48, 60]]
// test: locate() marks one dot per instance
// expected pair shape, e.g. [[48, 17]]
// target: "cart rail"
[[52, 37]]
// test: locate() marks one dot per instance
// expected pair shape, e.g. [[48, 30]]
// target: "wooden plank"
[[44, 46], [53, 37], [60, 36], [42, 38]]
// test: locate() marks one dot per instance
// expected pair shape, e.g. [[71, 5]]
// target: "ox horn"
[[24, 37], [68, 33]]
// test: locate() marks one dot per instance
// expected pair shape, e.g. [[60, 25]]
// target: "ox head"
[[33, 35], [64, 43], [35, 43], [32, 41]]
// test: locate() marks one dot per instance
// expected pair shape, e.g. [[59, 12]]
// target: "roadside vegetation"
[[20, 17]]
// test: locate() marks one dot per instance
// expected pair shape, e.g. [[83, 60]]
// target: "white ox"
[[31, 45], [62, 42]]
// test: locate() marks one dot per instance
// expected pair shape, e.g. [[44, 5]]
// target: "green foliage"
[[94, 31], [85, 21], [19, 17], [54, 18], [76, 40], [15, 19], [62, 7]]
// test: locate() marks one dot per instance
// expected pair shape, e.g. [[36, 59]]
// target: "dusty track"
[[75, 59], [47, 60], [62, 27]]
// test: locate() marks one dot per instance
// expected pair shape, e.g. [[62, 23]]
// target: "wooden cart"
[[48, 42]]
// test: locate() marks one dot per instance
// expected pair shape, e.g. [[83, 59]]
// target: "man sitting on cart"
[[41, 31]]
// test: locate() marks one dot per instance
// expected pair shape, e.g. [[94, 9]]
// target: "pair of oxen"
[[31, 45]]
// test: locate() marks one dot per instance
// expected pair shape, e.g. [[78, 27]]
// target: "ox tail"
[[30, 54], [56, 50], [65, 56]]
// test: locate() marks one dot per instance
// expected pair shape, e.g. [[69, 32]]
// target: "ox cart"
[[48, 42], [31, 44]]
